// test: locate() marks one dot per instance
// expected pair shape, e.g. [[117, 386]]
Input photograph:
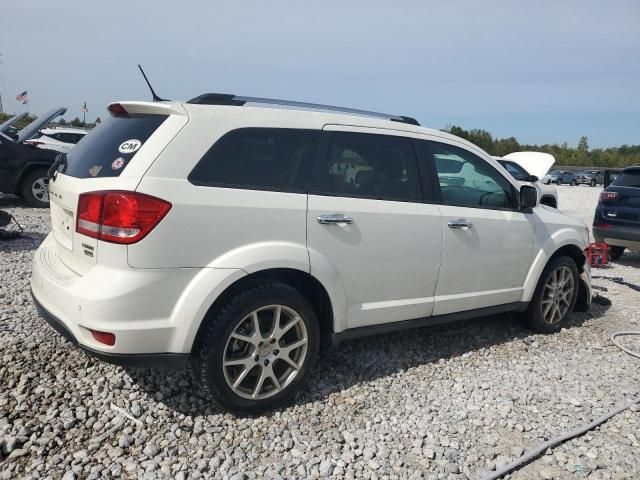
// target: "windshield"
[[107, 149], [628, 179]]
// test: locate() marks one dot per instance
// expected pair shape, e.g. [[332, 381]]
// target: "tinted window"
[[368, 165], [100, 154], [260, 158], [628, 179], [467, 180], [516, 171]]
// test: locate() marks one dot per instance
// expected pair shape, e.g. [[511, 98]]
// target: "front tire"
[[258, 349], [554, 297], [592, 183], [573, 183], [35, 189]]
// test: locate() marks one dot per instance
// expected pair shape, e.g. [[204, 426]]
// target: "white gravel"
[[449, 402]]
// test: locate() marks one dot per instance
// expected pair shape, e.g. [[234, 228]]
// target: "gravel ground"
[[448, 402]]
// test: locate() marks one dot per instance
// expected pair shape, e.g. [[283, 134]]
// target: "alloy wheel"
[[265, 352], [40, 189], [557, 295]]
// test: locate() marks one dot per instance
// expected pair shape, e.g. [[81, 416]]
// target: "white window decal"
[[130, 146]]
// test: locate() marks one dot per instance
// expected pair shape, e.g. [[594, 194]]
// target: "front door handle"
[[460, 223], [334, 218]]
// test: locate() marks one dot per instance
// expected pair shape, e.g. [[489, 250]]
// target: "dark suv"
[[617, 218]]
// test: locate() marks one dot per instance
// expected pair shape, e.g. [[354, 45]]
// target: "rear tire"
[[593, 183], [35, 189], [573, 183], [244, 368], [615, 253], [555, 296]]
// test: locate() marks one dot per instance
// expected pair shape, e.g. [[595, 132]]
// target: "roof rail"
[[229, 99]]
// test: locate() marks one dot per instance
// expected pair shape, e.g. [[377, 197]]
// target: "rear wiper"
[[59, 165]]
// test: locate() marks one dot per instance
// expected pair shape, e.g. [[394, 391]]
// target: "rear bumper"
[[618, 236], [174, 361]]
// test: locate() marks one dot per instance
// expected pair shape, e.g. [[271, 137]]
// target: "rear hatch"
[[622, 204], [113, 156]]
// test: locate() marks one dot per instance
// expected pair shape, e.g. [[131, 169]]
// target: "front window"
[[516, 171], [469, 181]]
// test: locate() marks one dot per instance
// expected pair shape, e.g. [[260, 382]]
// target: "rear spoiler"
[[147, 108]]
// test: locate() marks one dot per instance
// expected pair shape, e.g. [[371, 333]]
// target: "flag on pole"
[[22, 97], [84, 107]]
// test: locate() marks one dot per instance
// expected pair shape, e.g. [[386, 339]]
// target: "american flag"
[[22, 97], [84, 107]]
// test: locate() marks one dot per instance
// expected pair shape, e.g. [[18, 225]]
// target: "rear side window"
[[259, 158], [628, 179], [368, 165], [108, 148]]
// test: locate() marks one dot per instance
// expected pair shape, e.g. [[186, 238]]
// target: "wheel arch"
[[26, 170], [547, 254], [305, 283]]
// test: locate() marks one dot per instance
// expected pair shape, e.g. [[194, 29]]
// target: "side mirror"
[[532, 179], [528, 197]]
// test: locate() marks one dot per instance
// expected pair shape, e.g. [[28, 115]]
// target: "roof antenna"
[[156, 98]]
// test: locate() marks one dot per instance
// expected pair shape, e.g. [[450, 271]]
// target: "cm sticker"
[[130, 146]]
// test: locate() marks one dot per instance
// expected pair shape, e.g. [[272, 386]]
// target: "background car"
[[617, 218], [546, 193], [590, 177], [23, 167], [8, 127], [59, 139], [559, 177]]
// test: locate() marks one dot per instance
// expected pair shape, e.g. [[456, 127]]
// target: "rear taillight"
[[119, 217], [609, 196]]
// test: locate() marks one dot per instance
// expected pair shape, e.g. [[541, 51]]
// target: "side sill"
[[353, 333]]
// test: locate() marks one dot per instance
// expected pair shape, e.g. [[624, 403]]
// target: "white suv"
[[59, 139], [242, 238]]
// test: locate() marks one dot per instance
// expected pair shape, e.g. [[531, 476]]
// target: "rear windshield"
[[108, 148], [628, 179]]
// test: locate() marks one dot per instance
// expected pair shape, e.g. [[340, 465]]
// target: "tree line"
[[622, 156], [61, 122]]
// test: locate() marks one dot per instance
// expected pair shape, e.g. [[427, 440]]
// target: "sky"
[[541, 71]]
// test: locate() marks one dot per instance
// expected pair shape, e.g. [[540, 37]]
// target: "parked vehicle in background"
[[8, 127], [559, 177], [244, 237], [590, 177], [58, 139], [617, 218], [518, 165], [23, 167]]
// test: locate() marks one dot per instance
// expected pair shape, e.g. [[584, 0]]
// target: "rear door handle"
[[460, 223], [334, 218]]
